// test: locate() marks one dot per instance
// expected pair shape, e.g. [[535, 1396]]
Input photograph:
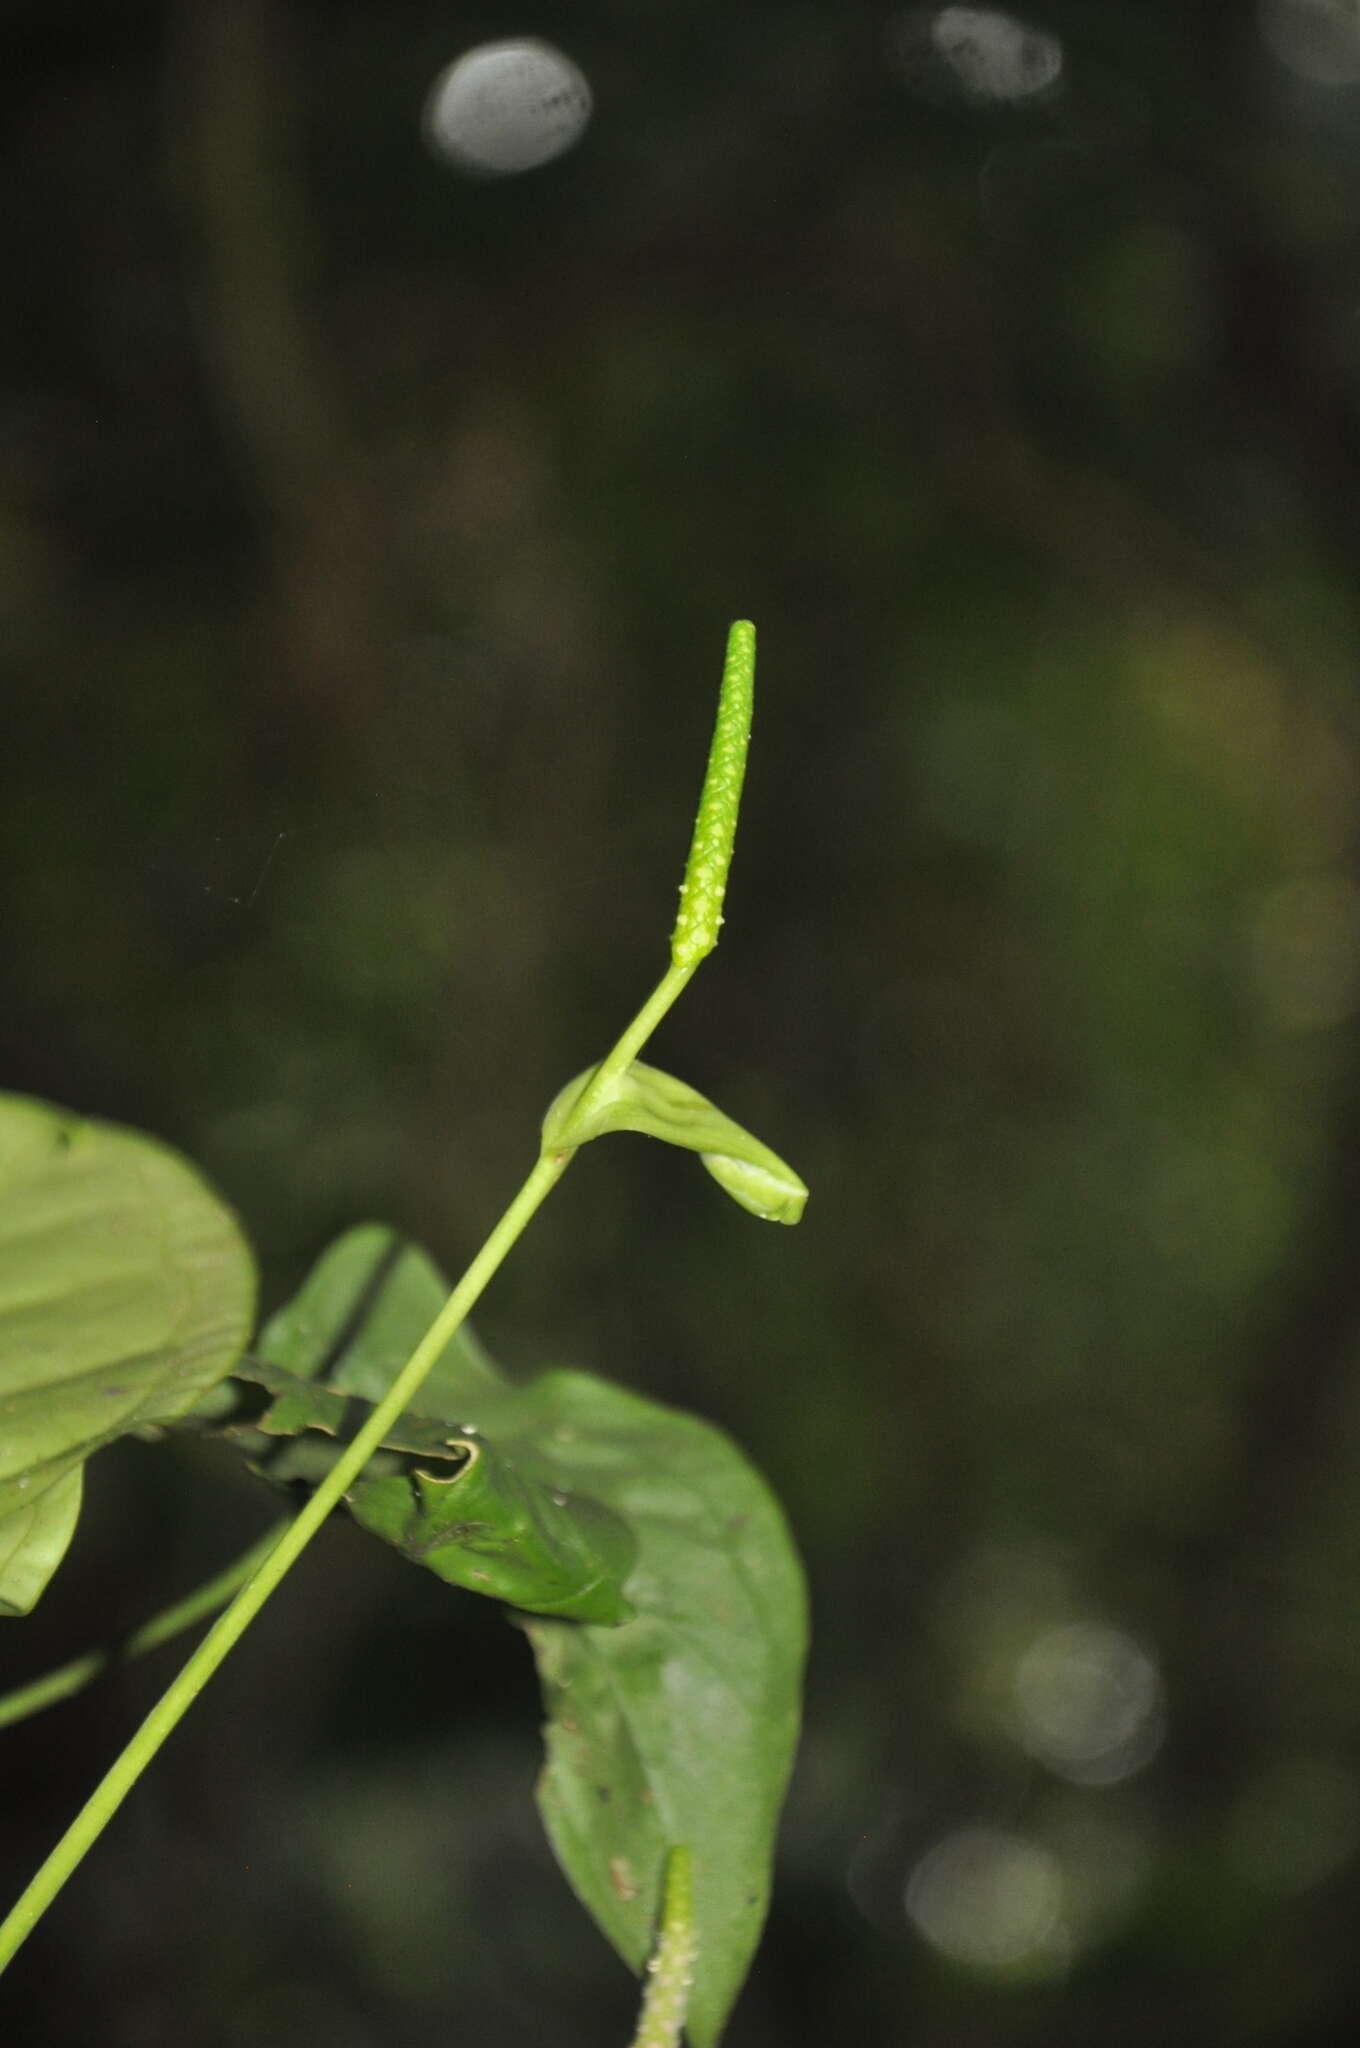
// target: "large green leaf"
[[126, 1290], [676, 1727]]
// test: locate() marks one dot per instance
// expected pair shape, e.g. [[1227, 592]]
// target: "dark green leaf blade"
[[491, 1524], [126, 1290]]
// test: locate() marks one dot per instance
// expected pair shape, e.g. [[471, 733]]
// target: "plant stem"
[[668, 990], [72, 1678], [620, 1057]]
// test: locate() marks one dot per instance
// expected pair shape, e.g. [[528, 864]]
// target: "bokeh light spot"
[[1088, 1702], [506, 107], [974, 53], [991, 1900]]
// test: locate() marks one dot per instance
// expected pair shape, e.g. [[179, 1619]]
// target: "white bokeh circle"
[[507, 106]]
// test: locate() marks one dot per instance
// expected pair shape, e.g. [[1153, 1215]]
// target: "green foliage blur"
[[368, 536]]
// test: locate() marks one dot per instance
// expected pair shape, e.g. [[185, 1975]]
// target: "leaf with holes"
[[464, 1491]]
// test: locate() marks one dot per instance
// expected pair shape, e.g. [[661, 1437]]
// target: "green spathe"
[[646, 1100]]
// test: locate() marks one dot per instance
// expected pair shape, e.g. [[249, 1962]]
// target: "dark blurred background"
[[369, 530]]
